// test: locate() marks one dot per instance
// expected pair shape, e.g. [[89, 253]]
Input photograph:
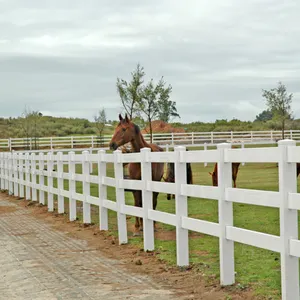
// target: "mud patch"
[[7, 209]]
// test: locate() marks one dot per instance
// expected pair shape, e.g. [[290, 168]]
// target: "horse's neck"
[[138, 143]]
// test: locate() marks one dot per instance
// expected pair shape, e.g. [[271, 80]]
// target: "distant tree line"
[[145, 102]]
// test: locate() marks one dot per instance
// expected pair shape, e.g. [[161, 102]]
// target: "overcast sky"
[[62, 57]]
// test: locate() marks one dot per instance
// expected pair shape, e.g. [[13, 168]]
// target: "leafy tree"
[[148, 103], [130, 92], [279, 103], [152, 97], [166, 107], [265, 115], [100, 121]]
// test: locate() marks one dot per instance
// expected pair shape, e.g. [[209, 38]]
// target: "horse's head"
[[124, 133]]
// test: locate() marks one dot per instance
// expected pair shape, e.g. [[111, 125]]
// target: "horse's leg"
[[137, 202], [168, 196]]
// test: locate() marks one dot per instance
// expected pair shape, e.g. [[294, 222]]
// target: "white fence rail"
[[23, 175], [188, 138]]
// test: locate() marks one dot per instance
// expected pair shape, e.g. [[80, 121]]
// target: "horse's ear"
[[120, 117], [126, 118]]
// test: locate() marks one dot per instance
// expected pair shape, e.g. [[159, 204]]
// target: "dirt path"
[[38, 261]]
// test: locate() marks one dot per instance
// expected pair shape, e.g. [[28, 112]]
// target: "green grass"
[[254, 267]]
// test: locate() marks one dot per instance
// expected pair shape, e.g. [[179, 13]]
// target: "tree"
[[100, 121], [30, 124], [279, 103], [130, 92], [265, 115], [151, 98], [166, 107]]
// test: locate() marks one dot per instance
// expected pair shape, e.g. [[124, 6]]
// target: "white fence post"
[[41, 179], [205, 148], [15, 170], [10, 144], [50, 181], [33, 176], [212, 137], [288, 224], [86, 188], [225, 217], [72, 142], [243, 146], [271, 133], [192, 138], [147, 200], [10, 174], [92, 143], [60, 183], [21, 175], [120, 198], [72, 187], [103, 213], [182, 235], [2, 170], [172, 138], [27, 177], [6, 171], [91, 163]]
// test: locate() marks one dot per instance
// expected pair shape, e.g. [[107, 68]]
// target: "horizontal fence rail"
[[32, 176], [163, 139]]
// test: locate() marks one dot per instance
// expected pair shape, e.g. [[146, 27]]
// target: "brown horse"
[[128, 132], [235, 169], [171, 175], [214, 174]]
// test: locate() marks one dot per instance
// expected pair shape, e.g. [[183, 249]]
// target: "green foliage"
[[130, 92], [100, 121], [265, 115], [166, 108], [150, 100], [279, 103], [49, 126]]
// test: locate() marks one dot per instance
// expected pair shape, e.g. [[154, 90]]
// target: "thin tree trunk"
[[283, 123], [150, 127]]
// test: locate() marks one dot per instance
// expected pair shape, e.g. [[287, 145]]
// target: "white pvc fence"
[[19, 173], [186, 138]]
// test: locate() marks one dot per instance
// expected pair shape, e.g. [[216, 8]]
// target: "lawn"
[[254, 267]]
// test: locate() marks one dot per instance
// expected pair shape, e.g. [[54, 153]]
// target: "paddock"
[[245, 220]]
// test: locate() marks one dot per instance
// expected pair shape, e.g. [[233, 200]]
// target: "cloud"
[[217, 55]]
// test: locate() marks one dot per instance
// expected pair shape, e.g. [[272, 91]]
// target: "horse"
[[235, 169], [214, 174], [128, 132], [171, 175]]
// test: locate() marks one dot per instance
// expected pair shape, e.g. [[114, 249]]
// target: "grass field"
[[254, 267]]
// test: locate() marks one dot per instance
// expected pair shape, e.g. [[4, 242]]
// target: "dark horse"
[[214, 174], [128, 132], [235, 169], [171, 175]]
